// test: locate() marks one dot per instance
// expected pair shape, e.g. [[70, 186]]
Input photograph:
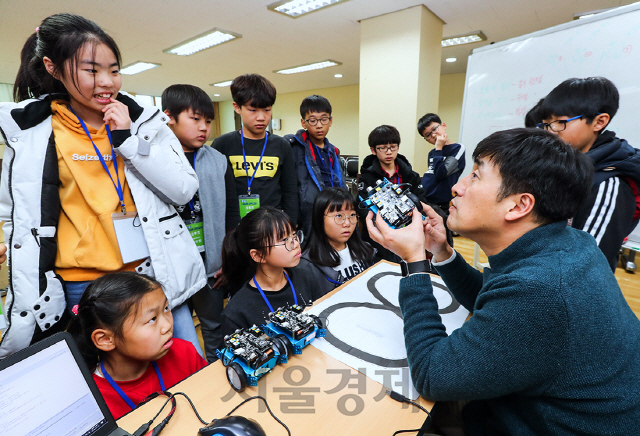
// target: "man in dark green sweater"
[[552, 346]]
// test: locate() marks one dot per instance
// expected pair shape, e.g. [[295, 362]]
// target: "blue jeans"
[[74, 292], [183, 326]]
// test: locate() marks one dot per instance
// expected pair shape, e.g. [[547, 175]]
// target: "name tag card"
[[248, 203], [130, 236]]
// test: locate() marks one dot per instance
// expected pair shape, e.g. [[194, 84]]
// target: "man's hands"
[[116, 115], [435, 235], [411, 241]]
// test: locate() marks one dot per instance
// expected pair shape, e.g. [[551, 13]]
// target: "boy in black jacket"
[[386, 162], [262, 163], [317, 160], [578, 111]]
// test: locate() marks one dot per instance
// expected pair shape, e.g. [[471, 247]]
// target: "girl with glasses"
[[335, 253], [259, 259]]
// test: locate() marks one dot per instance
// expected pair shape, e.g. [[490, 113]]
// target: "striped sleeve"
[[607, 216]]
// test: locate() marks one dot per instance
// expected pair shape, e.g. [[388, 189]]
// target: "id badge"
[[130, 236], [248, 203], [197, 233]]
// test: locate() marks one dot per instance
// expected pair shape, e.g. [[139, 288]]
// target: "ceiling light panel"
[[222, 84], [202, 42], [467, 38], [309, 67], [297, 8], [138, 67]]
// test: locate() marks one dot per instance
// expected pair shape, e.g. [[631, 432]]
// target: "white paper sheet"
[[364, 326]]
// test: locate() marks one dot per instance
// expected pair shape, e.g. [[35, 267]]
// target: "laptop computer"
[[47, 390]]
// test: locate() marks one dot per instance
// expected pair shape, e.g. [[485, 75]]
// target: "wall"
[[344, 103], [450, 103], [397, 87], [227, 123]]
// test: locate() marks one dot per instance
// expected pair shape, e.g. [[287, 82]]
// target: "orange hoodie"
[[87, 244]]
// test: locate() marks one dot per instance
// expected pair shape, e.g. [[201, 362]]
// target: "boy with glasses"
[[446, 161], [386, 162], [317, 160], [578, 111]]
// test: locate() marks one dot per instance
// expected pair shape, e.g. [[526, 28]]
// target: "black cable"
[[406, 431], [144, 428], [268, 408], [192, 406], [402, 399]]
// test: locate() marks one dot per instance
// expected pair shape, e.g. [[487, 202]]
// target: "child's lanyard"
[[322, 162], [193, 215], [104, 164], [119, 390], [246, 167], [266, 300], [335, 282]]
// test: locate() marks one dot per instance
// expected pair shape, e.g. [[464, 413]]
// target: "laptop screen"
[[46, 394]]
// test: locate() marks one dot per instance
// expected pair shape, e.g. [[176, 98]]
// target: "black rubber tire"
[[280, 346], [317, 321], [287, 343], [236, 377]]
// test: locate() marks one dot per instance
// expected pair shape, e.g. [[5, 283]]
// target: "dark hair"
[[427, 119], [540, 163], [257, 230], [254, 90], [383, 135], [107, 303], [179, 98], [60, 38], [321, 252], [314, 103], [587, 97], [533, 118]]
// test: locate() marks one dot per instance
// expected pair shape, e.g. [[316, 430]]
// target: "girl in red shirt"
[[124, 329]]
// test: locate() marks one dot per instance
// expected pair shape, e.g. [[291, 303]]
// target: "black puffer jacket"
[[370, 172]]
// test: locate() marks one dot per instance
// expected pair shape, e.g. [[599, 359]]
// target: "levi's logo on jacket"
[[268, 167]]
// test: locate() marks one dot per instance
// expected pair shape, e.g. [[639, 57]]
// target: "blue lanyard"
[[119, 390], [193, 215], [322, 162], [266, 300], [246, 167], [335, 282], [104, 164]]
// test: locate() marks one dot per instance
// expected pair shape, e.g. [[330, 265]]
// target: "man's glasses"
[[431, 133], [291, 242], [340, 218], [385, 148], [314, 121], [557, 125]]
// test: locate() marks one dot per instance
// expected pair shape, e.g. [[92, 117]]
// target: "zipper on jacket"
[[164, 218], [34, 232]]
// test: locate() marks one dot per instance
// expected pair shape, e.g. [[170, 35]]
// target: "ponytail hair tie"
[[74, 309], [37, 29]]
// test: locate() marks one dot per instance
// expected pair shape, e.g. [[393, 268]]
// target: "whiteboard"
[[506, 79]]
